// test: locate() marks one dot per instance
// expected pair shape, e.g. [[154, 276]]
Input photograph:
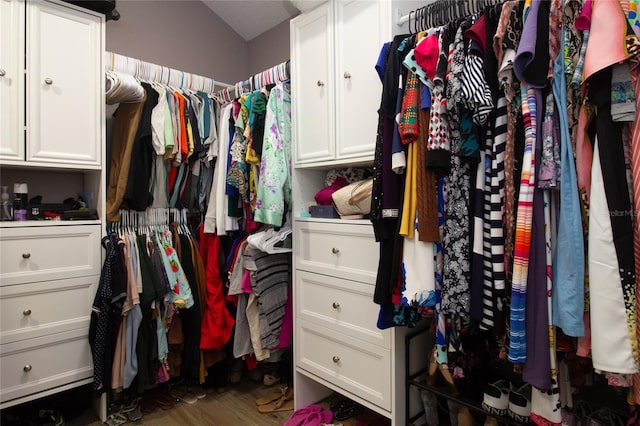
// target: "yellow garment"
[[410, 203]]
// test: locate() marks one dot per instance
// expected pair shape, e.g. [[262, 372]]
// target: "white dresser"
[[48, 278], [337, 339]]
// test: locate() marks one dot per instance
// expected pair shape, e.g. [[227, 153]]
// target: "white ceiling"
[[250, 18]]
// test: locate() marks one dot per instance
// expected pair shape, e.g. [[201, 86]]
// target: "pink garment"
[[583, 21], [286, 330], [323, 197], [584, 342], [310, 415], [426, 54], [246, 282], [584, 156], [607, 41]]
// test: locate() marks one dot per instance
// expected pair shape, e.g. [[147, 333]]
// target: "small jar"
[[6, 207]]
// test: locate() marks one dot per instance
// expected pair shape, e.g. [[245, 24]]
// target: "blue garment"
[[568, 262], [382, 60], [425, 97]]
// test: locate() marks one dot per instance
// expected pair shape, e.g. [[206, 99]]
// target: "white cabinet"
[[335, 88], [52, 138], [62, 90], [11, 80]]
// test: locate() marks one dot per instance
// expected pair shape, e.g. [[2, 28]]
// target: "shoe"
[[464, 416], [496, 398], [271, 375], [448, 379], [256, 374], [50, 418], [274, 394], [235, 373], [433, 368], [569, 418], [520, 404]]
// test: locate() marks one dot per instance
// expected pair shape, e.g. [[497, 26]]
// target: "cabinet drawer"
[[43, 363], [354, 365], [47, 253], [339, 249], [39, 309], [341, 305]]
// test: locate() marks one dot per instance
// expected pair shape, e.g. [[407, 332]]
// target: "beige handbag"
[[354, 200]]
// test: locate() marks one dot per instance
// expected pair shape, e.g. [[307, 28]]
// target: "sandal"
[[116, 419], [347, 410], [275, 394], [280, 404], [132, 410]]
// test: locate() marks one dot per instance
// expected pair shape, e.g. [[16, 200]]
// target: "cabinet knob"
[[26, 312], [336, 359], [2, 72], [320, 83], [347, 74], [48, 81], [335, 250], [335, 305], [26, 255], [27, 368]]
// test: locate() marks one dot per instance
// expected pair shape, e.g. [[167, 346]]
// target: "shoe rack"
[[420, 379]]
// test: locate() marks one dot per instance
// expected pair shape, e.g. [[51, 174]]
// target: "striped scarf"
[[524, 221]]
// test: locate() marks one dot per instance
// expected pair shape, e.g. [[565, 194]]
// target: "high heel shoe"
[[448, 379], [433, 368]]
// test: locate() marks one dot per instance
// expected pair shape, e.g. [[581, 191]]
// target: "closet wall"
[[268, 49], [158, 32]]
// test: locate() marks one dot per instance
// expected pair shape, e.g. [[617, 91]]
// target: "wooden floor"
[[234, 407]]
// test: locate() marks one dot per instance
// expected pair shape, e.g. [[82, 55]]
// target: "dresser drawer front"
[[39, 364], [341, 305], [47, 253], [339, 249], [38, 309], [354, 365]]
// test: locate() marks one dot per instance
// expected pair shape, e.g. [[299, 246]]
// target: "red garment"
[[478, 33], [217, 322]]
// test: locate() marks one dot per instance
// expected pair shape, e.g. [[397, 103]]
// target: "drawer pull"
[[48, 81], [335, 305], [26, 255], [2, 72], [27, 368], [320, 83], [335, 250], [26, 312], [347, 74], [336, 359]]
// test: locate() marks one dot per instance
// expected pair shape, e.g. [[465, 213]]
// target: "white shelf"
[[39, 223]]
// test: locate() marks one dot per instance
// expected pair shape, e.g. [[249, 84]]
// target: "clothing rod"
[[275, 74], [473, 6], [136, 67], [404, 18]]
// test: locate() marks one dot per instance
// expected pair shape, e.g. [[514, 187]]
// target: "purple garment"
[[537, 369], [391, 182], [531, 63]]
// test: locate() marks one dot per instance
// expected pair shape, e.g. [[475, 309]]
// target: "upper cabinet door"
[[11, 79], [64, 85], [361, 29], [313, 85]]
